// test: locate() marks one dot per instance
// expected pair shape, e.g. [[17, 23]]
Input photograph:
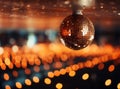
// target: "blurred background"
[[31, 55]]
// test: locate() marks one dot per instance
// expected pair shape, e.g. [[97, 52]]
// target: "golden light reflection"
[[85, 76], [64, 54], [62, 71], [36, 79], [47, 81], [18, 85], [44, 54], [28, 82], [50, 74], [108, 82], [59, 85], [118, 86], [72, 73]]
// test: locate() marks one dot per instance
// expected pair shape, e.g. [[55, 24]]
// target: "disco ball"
[[76, 31]]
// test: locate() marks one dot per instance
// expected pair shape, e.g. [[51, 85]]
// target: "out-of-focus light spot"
[[86, 3], [118, 86], [118, 13], [7, 61], [46, 67], [56, 73], [36, 68], [15, 48], [64, 57], [6, 76], [47, 81], [66, 2], [75, 67], [36, 79], [59, 85], [111, 68], [28, 82], [3, 66], [31, 40], [18, 85], [62, 71], [101, 7], [15, 73], [1, 50], [27, 71], [7, 87], [72, 73], [108, 82], [57, 65], [85, 76], [37, 62], [101, 66], [11, 65], [50, 74]]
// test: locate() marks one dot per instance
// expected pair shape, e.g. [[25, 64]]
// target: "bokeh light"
[[118, 86], [72, 73], [85, 76], [108, 82], [36, 79], [18, 85], [28, 82], [47, 81], [6, 76], [59, 85], [7, 87]]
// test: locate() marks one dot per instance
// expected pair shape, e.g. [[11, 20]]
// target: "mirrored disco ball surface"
[[76, 31]]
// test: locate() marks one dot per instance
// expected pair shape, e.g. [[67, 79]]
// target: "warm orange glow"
[[36, 79], [62, 71], [7, 87], [59, 85], [72, 73], [6, 76], [111, 68], [47, 81], [27, 71], [37, 62], [11, 65], [118, 86], [24, 63], [15, 73], [44, 53], [85, 76], [108, 82], [68, 69], [101, 66], [57, 65], [50, 74], [64, 57], [75, 67], [3, 66], [28, 82], [36, 68], [46, 67], [18, 85], [88, 64], [56, 73]]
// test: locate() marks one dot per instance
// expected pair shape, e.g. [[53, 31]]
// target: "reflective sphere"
[[76, 31]]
